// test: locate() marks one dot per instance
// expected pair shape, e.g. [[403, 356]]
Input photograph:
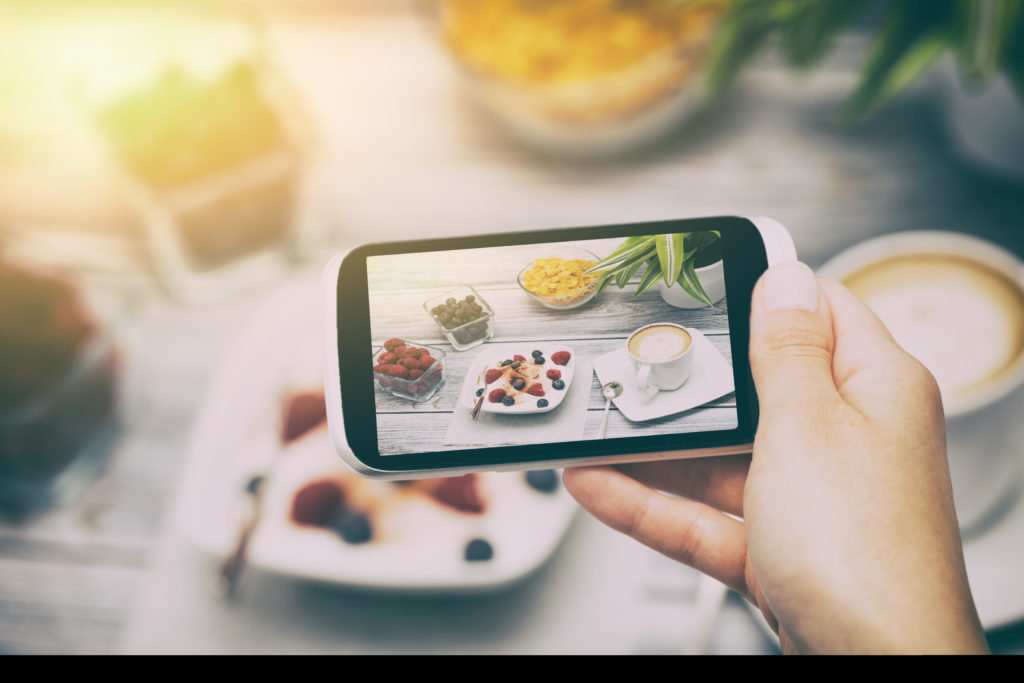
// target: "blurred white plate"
[[492, 356], [418, 544]]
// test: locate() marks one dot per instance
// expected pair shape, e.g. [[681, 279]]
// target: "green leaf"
[[650, 278], [808, 35], [670, 255], [627, 273], [691, 284], [602, 282], [912, 37], [622, 254]]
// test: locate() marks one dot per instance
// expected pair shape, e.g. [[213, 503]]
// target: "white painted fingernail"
[[790, 285]]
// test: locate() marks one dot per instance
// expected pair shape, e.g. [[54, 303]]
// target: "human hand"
[[848, 540]]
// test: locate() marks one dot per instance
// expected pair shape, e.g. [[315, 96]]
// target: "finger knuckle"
[[799, 341]]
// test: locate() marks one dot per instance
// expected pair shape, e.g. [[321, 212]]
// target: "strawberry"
[[397, 371], [535, 390], [554, 374], [560, 357], [460, 493], [492, 375], [426, 362], [496, 395], [393, 343]]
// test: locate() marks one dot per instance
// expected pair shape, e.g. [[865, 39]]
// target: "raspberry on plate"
[[560, 357], [496, 396], [535, 390], [518, 357], [492, 375], [554, 374]]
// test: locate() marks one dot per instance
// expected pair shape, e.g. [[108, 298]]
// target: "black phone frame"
[[745, 259]]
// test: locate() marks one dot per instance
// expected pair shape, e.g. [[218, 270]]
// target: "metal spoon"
[[609, 391]]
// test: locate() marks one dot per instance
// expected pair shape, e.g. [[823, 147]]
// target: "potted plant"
[[986, 38], [685, 266]]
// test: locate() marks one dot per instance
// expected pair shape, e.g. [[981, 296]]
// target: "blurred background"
[[175, 175]]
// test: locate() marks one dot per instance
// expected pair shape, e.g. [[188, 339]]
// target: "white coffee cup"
[[956, 303], [662, 357]]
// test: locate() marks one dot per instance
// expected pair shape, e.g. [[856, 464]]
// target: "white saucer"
[[710, 378]]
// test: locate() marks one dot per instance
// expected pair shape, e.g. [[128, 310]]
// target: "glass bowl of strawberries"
[[409, 369]]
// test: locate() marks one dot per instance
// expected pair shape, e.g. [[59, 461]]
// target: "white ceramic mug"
[[661, 362], [983, 419]]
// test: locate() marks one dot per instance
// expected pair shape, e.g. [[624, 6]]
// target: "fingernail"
[[790, 285]]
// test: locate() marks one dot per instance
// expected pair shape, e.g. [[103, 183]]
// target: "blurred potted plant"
[[686, 267], [986, 37], [211, 146]]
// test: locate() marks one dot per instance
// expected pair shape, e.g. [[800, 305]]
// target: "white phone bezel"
[[778, 246]]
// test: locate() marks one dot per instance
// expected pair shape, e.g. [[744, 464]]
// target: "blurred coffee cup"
[[956, 303]]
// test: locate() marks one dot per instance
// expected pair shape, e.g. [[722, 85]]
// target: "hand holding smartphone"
[[499, 352]]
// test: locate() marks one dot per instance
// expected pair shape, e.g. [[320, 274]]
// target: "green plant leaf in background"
[[913, 35], [986, 35]]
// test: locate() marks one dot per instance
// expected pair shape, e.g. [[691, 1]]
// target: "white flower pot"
[[986, 126], [712, 278]]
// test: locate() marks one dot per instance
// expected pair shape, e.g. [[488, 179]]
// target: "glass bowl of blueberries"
[[464, 317]]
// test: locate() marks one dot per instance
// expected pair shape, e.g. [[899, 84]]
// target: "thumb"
[[791, 341]]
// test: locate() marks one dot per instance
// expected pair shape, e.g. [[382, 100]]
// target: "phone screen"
[[550, 342]]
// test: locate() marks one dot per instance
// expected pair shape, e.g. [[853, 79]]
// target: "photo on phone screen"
[[523, 344]]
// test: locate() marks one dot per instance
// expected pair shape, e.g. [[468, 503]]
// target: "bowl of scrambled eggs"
[[558, 281]]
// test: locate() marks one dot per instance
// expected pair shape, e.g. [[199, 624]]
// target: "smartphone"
[[545, 349]]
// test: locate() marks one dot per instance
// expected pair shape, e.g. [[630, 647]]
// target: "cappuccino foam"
[[963, 320], [659, 343]]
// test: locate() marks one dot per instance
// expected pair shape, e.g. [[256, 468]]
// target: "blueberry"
[[480, 392], [252, 487], [354, 528], [518, 383], [508, 401], [537, 353], [545, 481], [558, 384], [507, 362], [542, 403], [478, 550], [538, 360]]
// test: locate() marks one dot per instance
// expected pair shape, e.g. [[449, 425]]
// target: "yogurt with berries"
[[519, 378]]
